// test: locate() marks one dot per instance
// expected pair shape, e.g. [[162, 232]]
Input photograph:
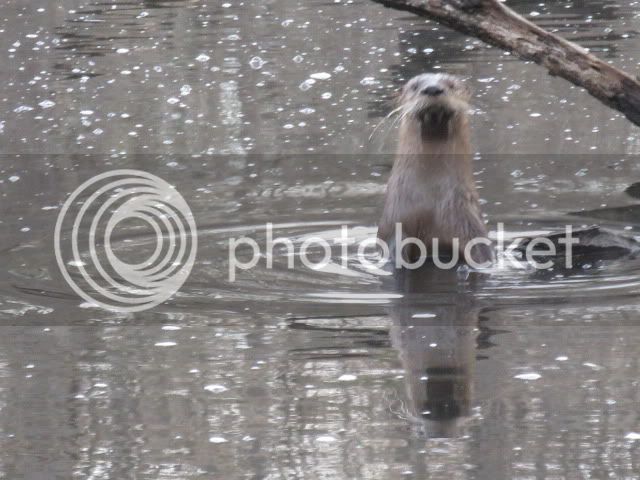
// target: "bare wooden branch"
[[498, 25]]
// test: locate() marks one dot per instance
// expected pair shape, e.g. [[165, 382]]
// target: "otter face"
[[434, 99]]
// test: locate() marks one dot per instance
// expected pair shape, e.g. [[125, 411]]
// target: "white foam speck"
[[173, 100], [217, 440], [22, 108], [216, 388], [528, 376], [592, 366], [326, 439], [347, 378], [165, 344], [368, 81], [185, 90], [203, 57], [632, 436], [47, 104], [320, 76], [14, 178], [122, 50], [88, 305]]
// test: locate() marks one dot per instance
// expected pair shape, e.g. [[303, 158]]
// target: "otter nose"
[[433, 91]]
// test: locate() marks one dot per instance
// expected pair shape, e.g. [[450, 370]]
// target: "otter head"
[[435, 100]]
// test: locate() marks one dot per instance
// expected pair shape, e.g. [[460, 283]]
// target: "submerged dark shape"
[[594, 246], [633, 190]]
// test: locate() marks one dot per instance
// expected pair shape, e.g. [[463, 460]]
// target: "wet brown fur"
[[431, 191]]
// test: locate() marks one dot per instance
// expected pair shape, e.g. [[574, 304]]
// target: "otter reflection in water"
[[431, 194], [435, 330]]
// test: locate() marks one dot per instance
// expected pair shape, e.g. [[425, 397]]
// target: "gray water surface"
[[262, 112]]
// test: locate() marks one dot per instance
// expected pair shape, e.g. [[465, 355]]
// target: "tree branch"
[[498, 25]]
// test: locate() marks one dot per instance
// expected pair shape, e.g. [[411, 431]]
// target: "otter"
[[431, 191]]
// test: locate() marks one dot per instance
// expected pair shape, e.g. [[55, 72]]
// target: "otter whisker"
[[392, 112], [410, 109]]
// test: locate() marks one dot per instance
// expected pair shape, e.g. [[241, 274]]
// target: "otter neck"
[[445, 148]]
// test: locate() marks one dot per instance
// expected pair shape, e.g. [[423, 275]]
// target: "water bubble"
[[307, 84], [326, 95], [173, 100], [203, 57], [47, 104], [14, 178], [307, 110], [22, 108], [256, 63], [298, 59], [122, 50]]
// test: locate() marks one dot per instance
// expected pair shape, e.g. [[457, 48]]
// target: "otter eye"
[[450, 84]]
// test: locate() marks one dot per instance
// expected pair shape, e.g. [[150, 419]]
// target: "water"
[[262, 113]]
